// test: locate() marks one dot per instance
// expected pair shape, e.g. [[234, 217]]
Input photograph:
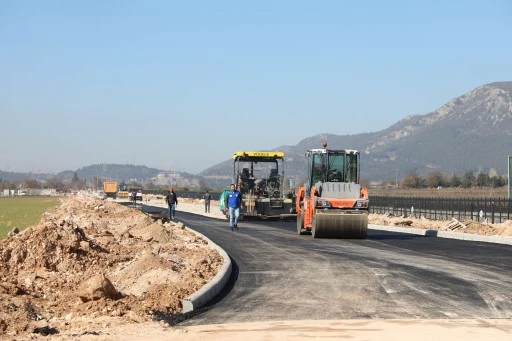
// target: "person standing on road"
[[172, 200], [234, 203], [207, 197]]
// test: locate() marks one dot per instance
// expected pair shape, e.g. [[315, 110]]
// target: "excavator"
[[332, 203]]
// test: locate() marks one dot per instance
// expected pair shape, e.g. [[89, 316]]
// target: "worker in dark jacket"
[[172, 200], [207, 198]]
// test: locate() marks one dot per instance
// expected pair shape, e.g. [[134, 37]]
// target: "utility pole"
[[396, 178], [509, 176]]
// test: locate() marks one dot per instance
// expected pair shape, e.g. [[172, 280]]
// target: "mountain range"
[[470, 132]]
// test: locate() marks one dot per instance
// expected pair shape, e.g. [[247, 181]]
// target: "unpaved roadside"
[[368, 330]]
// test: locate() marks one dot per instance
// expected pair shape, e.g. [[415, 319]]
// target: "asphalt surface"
[[279, 275]]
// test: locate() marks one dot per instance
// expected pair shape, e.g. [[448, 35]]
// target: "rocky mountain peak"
[[483, 110], [490, 102]]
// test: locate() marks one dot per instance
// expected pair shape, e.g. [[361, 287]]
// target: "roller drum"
[[340, 226], [300, 223]]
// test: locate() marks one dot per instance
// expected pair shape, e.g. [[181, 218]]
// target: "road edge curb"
[[213, 287]]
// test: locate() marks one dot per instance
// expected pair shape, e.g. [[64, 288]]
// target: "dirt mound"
[[89, 258]]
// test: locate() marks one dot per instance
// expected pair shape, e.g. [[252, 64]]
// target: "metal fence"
[[493, 210]]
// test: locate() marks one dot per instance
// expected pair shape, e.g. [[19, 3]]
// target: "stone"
[[97, 287]]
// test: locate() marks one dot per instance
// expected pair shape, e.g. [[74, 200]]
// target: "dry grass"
[[501, 192]]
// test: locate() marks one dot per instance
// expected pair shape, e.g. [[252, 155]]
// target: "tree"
[[482, 179], [497, 181], [434, 179], [31, 183], [4, 184], [413, 180], [454, 181], [76, 183], [468, 179], [56, 183]]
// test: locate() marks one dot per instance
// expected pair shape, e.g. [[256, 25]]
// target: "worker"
[[234, 203], [207, 197], [172, 201]]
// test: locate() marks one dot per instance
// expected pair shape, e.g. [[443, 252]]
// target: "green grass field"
[[22, 212]]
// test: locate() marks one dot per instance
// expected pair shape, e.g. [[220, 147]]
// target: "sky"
[[182, 85]]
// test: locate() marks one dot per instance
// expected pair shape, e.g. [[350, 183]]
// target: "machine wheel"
[[300, 223], [313, 226]]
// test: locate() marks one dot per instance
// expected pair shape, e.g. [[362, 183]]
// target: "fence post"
[[492, 212]]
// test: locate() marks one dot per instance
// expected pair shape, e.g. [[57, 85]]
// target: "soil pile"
[[91, 261]]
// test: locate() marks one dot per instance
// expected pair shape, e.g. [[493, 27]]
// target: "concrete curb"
[[443, 234], [213, 287]]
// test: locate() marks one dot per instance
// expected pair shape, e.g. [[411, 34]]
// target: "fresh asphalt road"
[[280, 275]]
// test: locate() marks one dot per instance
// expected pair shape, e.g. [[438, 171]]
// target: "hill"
[[472, 132], [115, 172]]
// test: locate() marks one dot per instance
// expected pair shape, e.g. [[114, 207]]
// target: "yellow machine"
[[259, 176], [332, 203], [110, 189], [123, 190]]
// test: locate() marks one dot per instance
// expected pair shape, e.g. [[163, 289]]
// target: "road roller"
[[332, 203]]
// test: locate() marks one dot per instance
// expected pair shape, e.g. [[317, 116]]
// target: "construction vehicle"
[[135, 194], [259, 176], [332, 203], [110, 189], [123, 190]]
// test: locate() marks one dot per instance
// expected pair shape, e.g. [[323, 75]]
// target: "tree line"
[[436, 179], [65, 185]]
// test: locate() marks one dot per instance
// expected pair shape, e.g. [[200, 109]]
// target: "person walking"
[[172, 200], [207, 197], [234, 203]]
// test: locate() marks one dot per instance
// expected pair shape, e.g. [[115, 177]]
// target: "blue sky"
[[181, 85]]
